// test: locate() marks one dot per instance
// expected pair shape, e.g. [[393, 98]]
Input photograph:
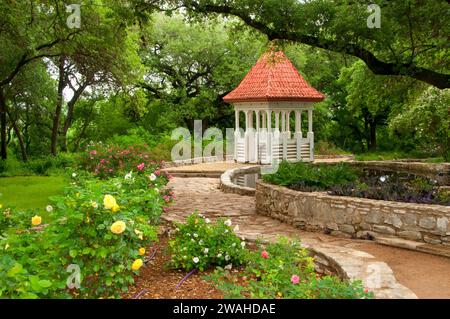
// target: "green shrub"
[[201, 244], [284, 270], [97, 225], [314, 176], [106, 161], [43, 165]]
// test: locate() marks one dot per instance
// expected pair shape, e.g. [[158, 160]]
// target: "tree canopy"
[[412, 40], [137, 69]]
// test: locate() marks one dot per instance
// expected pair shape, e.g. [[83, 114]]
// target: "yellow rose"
[[137, 264], [94, 204], [142, 251], [36, 220], [118, 227], [115, 208], [109, 202], [1, 205]]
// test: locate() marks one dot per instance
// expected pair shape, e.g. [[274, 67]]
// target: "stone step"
[[439, 250], [209, 174]]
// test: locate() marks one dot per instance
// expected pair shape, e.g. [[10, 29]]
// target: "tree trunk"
[[3, 143], [59, 102], [373, 136], [70, 111], [19, 136]]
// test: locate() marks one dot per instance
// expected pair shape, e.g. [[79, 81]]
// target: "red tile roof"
[[274, 78]]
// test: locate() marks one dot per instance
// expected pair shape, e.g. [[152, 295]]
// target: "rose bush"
[[200, 244], [284, 270], [111, 160], [101, 226]]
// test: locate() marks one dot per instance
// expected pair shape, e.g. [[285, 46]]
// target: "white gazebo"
[[271, 94]]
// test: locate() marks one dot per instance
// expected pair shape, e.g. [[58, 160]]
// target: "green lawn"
[[25, 192]]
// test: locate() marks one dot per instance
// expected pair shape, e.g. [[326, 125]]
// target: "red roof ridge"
[[274, 78]]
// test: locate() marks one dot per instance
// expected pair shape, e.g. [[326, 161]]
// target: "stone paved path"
[[426, 275]]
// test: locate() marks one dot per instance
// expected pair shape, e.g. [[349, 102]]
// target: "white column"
[[288, 124], [283, 122], [246, 136], [246, 121], [298, 122], [310, 135], [250, 119], [298, 134], [268, 158], [236, 133]]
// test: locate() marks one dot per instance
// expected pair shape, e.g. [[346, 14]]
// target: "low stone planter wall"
[[355, 217], [350, 264], [227, 185]]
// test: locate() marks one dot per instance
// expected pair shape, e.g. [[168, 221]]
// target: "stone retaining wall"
[[227, 185], [355, 217]]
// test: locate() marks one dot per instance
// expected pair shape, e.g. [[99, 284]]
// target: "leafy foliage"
[[86, 230], [110, 160], [284, 270], [311, 177], [428, 120], [200, 244]]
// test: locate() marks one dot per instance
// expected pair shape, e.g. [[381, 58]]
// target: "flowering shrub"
[[108, 161], [201, 244], [284, 270], [100, 226]]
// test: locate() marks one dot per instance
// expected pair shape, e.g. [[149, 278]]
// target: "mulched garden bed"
[[157, 281]]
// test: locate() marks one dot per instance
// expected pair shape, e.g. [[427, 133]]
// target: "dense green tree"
[[428, 121], [412, 39], [190, 67]]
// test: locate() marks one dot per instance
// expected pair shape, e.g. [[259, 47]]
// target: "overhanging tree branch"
[[377, 66], [27, 58]]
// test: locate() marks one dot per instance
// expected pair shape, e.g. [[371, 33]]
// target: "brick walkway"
[[426, 275]]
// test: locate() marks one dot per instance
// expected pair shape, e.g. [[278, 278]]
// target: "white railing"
[[263, 147]]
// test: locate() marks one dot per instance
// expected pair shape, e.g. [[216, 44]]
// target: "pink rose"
[[265, 254], [157, 173], [295, 279], [141, 166], [94, 152]]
